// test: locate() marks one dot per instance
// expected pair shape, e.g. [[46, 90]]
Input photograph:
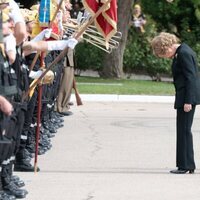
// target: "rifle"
[[78, 98]]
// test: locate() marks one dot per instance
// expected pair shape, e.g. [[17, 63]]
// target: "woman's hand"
[[187, 107]]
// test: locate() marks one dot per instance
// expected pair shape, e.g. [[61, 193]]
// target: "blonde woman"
[[138, 18], [187, 94]]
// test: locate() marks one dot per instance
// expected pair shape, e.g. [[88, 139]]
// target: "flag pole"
[[39, 108]]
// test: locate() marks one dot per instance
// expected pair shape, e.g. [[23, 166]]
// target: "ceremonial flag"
[[44, 13], [106, 22], [47, 10]]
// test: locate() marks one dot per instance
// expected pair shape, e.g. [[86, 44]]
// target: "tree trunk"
[[113, 62]]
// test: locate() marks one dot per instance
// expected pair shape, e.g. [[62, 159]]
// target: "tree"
[[181, 17], [113, 63]]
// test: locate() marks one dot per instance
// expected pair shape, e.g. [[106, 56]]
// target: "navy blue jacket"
[[186, 77]]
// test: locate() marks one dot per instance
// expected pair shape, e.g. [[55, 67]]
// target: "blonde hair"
[[137, 6], [161, 43]]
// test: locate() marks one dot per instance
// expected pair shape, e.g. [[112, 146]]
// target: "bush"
[[138, 57], [88, 56], [181, 17]]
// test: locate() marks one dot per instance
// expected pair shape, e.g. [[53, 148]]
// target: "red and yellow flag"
[[106, 22]]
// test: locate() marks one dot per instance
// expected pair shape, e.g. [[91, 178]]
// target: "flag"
[[44, 13], [106, 22]]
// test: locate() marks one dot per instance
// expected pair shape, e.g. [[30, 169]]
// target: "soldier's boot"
[[9, 187], [22, 164], [19, 183], [16, 180], [3, 195]]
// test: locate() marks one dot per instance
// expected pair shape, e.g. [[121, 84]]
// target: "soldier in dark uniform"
[[10, 126]]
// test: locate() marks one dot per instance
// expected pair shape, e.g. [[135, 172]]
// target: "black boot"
[[19, 183], [22, 164], [4, 196], [9, 187], [16, 180], [12, 189]]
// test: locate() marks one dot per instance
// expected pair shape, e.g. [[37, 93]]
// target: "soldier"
[[6, 109], [11, 127], [15, 15], [66, 84], [65, 89]]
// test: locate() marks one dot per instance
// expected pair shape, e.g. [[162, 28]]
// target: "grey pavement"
[[115, 150]]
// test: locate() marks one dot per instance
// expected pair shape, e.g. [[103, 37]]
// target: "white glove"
[[79, 17], [35, 74], [72, 42], [47, 34]]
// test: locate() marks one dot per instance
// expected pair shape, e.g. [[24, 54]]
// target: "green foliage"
[[197, 8], [177, 17], [88, 57], [197, 49], [138, 55]]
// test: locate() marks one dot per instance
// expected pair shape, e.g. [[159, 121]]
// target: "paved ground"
[[115, 151]]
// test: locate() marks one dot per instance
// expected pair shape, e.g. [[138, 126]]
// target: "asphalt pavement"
[[116, 148]]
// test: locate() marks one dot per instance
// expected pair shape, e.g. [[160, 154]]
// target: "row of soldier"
[[23, 40]]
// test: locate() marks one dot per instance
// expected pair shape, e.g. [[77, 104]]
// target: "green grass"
[[90, 85]]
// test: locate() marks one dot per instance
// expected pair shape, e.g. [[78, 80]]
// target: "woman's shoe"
[[182, 171]]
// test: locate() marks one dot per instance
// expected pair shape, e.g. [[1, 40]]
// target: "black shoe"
[[19, 183], [60, 120], [23, 154], [70, 103], [28, 153], [5, 196], [55, 121], [67, 113], [14, 178], [58, 114], [50, 128], [24, 167], [12, 189], [31, 148], [28, 159], [42, 150], [57, 125], [60, 125], [182, 171], [50, 135]]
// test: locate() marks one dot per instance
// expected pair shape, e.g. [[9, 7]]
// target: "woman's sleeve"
[[186, 61]]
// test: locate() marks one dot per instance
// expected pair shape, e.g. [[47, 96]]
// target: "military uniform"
[[66, 84]]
